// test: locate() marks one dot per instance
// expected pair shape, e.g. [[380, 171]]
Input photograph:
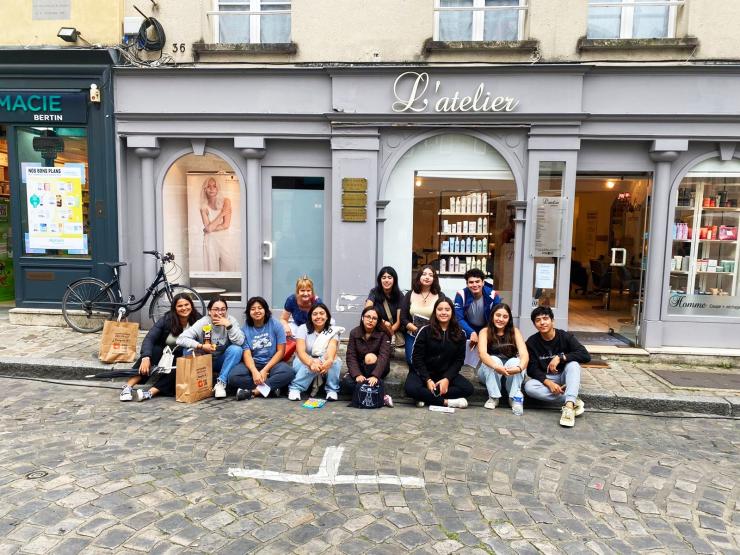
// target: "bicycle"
[[88, 302]]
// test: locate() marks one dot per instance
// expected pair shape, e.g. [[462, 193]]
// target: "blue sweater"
[[464, 298]]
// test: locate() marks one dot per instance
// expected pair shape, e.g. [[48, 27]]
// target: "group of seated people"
[[439, 335]]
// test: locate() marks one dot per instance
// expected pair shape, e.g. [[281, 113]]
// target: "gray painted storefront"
[[656, 119]]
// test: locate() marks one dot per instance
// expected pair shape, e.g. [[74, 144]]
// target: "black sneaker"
[[243, 394]]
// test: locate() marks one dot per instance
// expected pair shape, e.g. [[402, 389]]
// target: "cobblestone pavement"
[[153, 477]]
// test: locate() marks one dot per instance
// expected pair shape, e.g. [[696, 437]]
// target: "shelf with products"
[[464, 244], [705, 254]]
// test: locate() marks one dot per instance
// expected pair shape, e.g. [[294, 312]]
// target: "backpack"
[[366, 396]]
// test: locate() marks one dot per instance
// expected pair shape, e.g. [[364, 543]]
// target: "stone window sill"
[[431, 46], [683, 43], [285, 48]]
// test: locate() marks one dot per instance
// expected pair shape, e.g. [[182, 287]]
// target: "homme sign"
[[413, 94]]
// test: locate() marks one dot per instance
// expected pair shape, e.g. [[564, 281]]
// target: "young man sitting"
[[473, 308], [554, 369]]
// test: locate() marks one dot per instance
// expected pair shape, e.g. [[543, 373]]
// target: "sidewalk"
[[630, 382]]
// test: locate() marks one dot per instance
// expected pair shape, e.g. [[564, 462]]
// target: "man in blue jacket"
[[473, 305]]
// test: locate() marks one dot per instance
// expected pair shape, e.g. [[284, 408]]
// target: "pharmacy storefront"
[[57, 178], [568, 185]]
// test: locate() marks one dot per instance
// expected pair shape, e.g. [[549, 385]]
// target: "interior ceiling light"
[[68, 34], [418, 182], [610, 184]]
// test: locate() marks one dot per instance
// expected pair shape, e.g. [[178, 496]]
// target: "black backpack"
[[366, 396]]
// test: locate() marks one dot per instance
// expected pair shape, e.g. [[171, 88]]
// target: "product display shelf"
[[454, 218], [697, 279]]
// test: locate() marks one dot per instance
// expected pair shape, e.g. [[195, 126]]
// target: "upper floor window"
[[632, 19], [251, 21], [479, 20]]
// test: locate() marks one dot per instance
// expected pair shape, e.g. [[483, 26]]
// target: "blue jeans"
[[570, 377], [226, 361], [492, 379], [304, 376]]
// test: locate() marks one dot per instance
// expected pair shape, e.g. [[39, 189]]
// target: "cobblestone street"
[[154, 477]]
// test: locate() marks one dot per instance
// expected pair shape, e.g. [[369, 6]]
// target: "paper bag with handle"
[[118, 342], [194, 378]]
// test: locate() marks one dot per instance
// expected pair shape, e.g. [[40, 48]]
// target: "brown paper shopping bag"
[[118, 342], [194, 378]]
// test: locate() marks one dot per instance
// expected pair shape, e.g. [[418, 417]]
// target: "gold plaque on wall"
[[354, 184], [354, 199], [352, 214]]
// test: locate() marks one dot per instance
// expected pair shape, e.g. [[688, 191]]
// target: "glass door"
[[295, 233]]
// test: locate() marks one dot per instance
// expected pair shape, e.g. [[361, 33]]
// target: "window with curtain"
[[252, 21], [479, 20], [632, 19]]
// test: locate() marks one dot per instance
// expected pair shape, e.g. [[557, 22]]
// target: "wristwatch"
[[229, 327]]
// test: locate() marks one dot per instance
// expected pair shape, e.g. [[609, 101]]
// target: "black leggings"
[[165, 383], [417, 389]]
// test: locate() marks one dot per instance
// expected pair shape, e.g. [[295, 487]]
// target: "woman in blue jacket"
[[163, 334]]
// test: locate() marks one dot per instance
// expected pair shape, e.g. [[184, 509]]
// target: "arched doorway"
[[449, 207], [202, 225]]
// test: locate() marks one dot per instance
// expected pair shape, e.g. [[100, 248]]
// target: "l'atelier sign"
[[415, 100]]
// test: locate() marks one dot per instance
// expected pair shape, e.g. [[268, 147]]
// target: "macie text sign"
[[411, 90]]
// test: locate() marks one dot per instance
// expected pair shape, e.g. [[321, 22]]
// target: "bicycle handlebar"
[[167, 257]]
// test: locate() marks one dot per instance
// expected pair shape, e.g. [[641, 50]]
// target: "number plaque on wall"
[[354, 199]]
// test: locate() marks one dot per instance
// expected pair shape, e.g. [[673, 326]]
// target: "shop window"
[[704, 242], [615, 19], [479, 20], [252, 21], [202, 225], [458, 190], [549, 211], [54, 192]]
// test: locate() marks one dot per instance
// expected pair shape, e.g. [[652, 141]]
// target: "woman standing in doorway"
[[215, 212], [417, 305]]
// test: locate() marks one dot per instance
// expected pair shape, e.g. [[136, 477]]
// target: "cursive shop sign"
[[704, 305], [412, 92]]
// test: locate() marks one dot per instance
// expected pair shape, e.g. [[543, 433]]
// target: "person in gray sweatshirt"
[[220, 335]]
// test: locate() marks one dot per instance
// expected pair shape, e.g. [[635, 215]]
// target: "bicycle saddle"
[[114, 264]]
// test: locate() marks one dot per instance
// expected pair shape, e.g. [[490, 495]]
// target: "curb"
[[60, 369]]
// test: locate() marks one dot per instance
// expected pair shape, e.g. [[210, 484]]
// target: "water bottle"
[[517, 405]]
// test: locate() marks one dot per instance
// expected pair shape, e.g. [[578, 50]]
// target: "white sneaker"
[[568, 417], [580, 407], [420, 404], [331, 396], [294, 395], [388, 401], [143, 395], [219, 390], [461, 403], [491, 404], [126, 394]]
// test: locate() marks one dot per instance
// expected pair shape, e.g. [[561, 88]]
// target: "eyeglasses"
[[219, 309], [371, 318]]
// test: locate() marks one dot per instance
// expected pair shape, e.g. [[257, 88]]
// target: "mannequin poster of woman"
[[213, 225]]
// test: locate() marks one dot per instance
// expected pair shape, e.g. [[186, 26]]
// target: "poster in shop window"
[[214, 225], [54, 202]]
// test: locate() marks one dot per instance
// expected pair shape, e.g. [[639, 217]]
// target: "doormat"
[[596, 362], [601, 338], [703, 380]]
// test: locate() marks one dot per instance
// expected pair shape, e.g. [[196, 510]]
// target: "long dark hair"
[[506, 343], [261, 301], [309, 322], [175, 325], [454, 331], [435, 288], [378, 290], [362, 318]]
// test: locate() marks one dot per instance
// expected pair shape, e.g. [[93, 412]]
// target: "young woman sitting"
[[386, 297], [262, 369], [439, 353], [417, 305], [317, 343], [368, 353], [163, 334], [295, 311], [217, 334], [503, 355]]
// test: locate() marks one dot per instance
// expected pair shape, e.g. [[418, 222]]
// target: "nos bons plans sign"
[[54, 201]]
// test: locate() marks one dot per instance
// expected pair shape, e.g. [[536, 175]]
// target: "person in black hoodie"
[[554, 368], [438, 356], [164, 333]]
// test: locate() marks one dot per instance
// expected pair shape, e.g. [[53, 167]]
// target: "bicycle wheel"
[[86, 304], [162, 302]]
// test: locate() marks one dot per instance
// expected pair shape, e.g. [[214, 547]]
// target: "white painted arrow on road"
[[327, 474]]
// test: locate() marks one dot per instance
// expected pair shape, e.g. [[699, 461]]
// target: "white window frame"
[[627, 15], [479, 8], [254, 9]]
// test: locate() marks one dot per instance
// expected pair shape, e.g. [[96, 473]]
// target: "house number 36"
[[178, 47]]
